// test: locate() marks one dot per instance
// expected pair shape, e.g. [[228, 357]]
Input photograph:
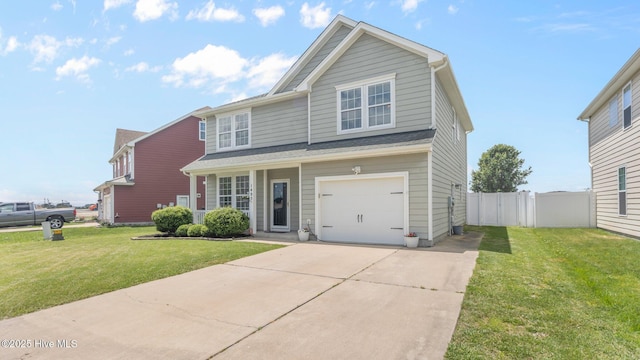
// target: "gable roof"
[[436, 59], [123, 136], [128, 138], [622, 77], [312, 50]]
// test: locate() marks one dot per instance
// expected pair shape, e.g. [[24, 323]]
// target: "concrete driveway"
[[304, 301]]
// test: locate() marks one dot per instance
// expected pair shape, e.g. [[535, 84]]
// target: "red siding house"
[[146, 171]]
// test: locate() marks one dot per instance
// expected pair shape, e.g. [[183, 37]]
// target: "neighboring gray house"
[[614, 150], [363, 140]]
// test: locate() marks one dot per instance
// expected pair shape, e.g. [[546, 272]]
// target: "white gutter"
[[430, 189], [434, 69]]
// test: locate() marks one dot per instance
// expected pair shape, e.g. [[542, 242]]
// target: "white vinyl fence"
[[555, 209]]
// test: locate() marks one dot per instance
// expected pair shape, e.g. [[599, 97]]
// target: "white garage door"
[[363, 210]]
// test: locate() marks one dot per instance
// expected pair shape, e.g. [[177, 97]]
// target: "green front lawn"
[[551, 294], [36, 274]]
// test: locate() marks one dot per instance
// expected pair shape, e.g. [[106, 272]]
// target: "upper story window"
[[234, 131], [613, 111], [202, 130], [626, 105], [367, 105], [622, 191]]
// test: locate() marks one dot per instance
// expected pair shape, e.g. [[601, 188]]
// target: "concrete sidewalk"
[[308, 300]]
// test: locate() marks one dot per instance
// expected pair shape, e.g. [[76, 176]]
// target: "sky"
[[71, 72]]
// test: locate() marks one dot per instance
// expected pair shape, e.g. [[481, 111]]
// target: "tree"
[[499, 170]]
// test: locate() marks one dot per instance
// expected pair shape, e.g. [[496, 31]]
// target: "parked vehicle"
[[25, 213]]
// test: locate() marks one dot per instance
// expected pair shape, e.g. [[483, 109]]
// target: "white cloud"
[[129, 52], [452, 9], [12, 45], [215, 63], [211, 13], [369, 5], [113, 4], [153, 9], [113, 40], [143, 67], [315, 17], [219, 68], [56, 6], [45, 47], [267, 71], [410, 5], [78, 68], [270, 15]]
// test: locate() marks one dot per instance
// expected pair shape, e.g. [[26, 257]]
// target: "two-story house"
[[363, 140], [146, 171], [614, 150]]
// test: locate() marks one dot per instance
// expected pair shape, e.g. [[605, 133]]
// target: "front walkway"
[[307, 300]]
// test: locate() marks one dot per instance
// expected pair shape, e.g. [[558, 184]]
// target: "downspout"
[[430, 191], [435, 69]]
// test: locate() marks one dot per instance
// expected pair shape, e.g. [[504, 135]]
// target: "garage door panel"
[[363, 211]]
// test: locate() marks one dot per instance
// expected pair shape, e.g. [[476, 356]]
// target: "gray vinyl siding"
[[415, 164], [294, 193], [212, 137], [333, 41], [599, 128], [212, 192], [449, 166], [606, 157], [280, 123], [367, 58]]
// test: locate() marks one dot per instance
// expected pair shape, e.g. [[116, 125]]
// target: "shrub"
[[226, 221], [182, 230], [197, 230], [169, 219]]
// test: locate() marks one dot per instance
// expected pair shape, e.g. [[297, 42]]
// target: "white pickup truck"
[[25, 213]]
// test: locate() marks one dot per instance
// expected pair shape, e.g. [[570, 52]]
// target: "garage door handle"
[[326, 226], [397, 228]]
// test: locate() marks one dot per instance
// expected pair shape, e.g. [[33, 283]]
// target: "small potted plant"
[[411, 240], [303, 234]]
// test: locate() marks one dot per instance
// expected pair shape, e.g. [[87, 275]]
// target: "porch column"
[[193, 191], [253, 210]]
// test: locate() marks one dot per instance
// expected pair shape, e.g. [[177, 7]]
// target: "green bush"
[[197, 230], [182, 230], [226, 221], [169, 219]]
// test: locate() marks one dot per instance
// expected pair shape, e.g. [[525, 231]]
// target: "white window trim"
[[234, 193], [626, 207], [233, 130], [201, 131], [630, 104], [364, 105]]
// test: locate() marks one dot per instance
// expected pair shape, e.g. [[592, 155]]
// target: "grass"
[[36, 274], [551, 294]]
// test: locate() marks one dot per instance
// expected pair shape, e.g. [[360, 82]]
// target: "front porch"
[[270, 197]]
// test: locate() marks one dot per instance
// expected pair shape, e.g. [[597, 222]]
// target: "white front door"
[[363, 210], [280, 213]]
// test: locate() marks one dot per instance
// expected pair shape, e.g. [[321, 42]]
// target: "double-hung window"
[[367, 105], [622, 191], [233, 191], [234, 131], [626, 105], [202, 130]]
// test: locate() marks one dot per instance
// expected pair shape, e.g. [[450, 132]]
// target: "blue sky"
[[71, 72]]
